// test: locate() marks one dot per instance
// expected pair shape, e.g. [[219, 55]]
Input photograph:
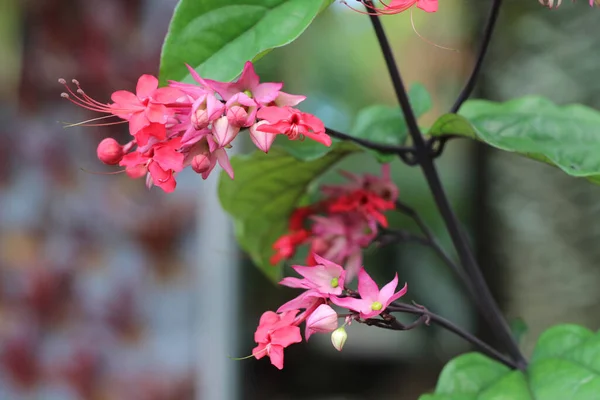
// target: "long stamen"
[[83, 123], [412, 22], [102, 173]]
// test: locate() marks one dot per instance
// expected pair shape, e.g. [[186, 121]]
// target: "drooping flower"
[[372, 301], [293, 123], [275, 332], [323, 320]]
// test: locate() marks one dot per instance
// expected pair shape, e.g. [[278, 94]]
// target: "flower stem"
[[488, 306], [485, 43], [448, 325]]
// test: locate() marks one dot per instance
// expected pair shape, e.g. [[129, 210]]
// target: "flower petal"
[[358, 305], [146, 85], [367, 288], [266, 93], [286, 336], [276, 356]]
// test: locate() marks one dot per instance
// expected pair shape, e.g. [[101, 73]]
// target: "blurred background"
[[109, 291]]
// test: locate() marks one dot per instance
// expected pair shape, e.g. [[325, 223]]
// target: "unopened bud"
[[338, 338], [200, 163], [109, 151]]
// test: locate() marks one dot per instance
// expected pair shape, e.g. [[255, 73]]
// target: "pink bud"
[[262, 140], [237, 115], [324, 319], [200, 118], [201, 163], [224, 132], [109, 151]]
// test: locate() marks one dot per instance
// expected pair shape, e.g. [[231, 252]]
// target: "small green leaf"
[[386, 125], [567, 137], [565, 366], [518, 328], [217, 37], [265, 191]]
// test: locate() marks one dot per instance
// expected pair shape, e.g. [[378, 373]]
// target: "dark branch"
[[382, 148], [483, 47], [444, 323], [484, 299]]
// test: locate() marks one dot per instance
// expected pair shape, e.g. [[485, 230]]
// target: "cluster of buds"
[[323, 285], [557, 3], [343, 223], [192, 125]]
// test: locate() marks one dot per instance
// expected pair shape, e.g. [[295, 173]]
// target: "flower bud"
[[324, 319], [338, 338], [109, 151], [200, 163], [262, 140], [224, 132]]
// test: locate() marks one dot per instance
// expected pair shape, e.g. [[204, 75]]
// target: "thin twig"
[[382, 148], [483, 47]]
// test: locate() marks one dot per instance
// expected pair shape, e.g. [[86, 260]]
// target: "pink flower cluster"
[[323, 284], [193, 124], [343, 223]]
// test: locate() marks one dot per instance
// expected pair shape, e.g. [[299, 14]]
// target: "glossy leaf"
[[217, 37], [266, 189], [565, 365], [567, 137]]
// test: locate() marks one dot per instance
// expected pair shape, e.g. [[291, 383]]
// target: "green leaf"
[[518, 328], [565, 365], [266, 189], [217, 37], [567, 137], [386, 125]]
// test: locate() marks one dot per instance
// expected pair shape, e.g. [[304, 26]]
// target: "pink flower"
[[274, 333], [248, 83], [206, 109], [323, 320], [241, 110], [146, 106], [308, 300], [372, 301], [293, 123], [326, 278], [161, 162]]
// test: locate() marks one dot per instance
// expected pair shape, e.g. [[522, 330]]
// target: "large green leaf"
[[265, 191], [217, 37], [567, 137], [565, 366]]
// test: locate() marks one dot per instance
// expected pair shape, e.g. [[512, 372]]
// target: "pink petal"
[[167, 95], [305, 301], [358, 305], [313, 122], [324, 319], [161, 178], [396, 296], [223, 160], [387, 291], [367, 288], [286, 336], [353, 264], [260, 351], [286, 99], [168, 159], [224, 132], [248, 80], [428, 5], [281, 127], [157, 131], [295, 283], [197, 77], [319, 137], [157, 113], [266, 93], [273, 114], [145, 86], [268, 318], [126, 101], [137, 122], [276, 355]]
